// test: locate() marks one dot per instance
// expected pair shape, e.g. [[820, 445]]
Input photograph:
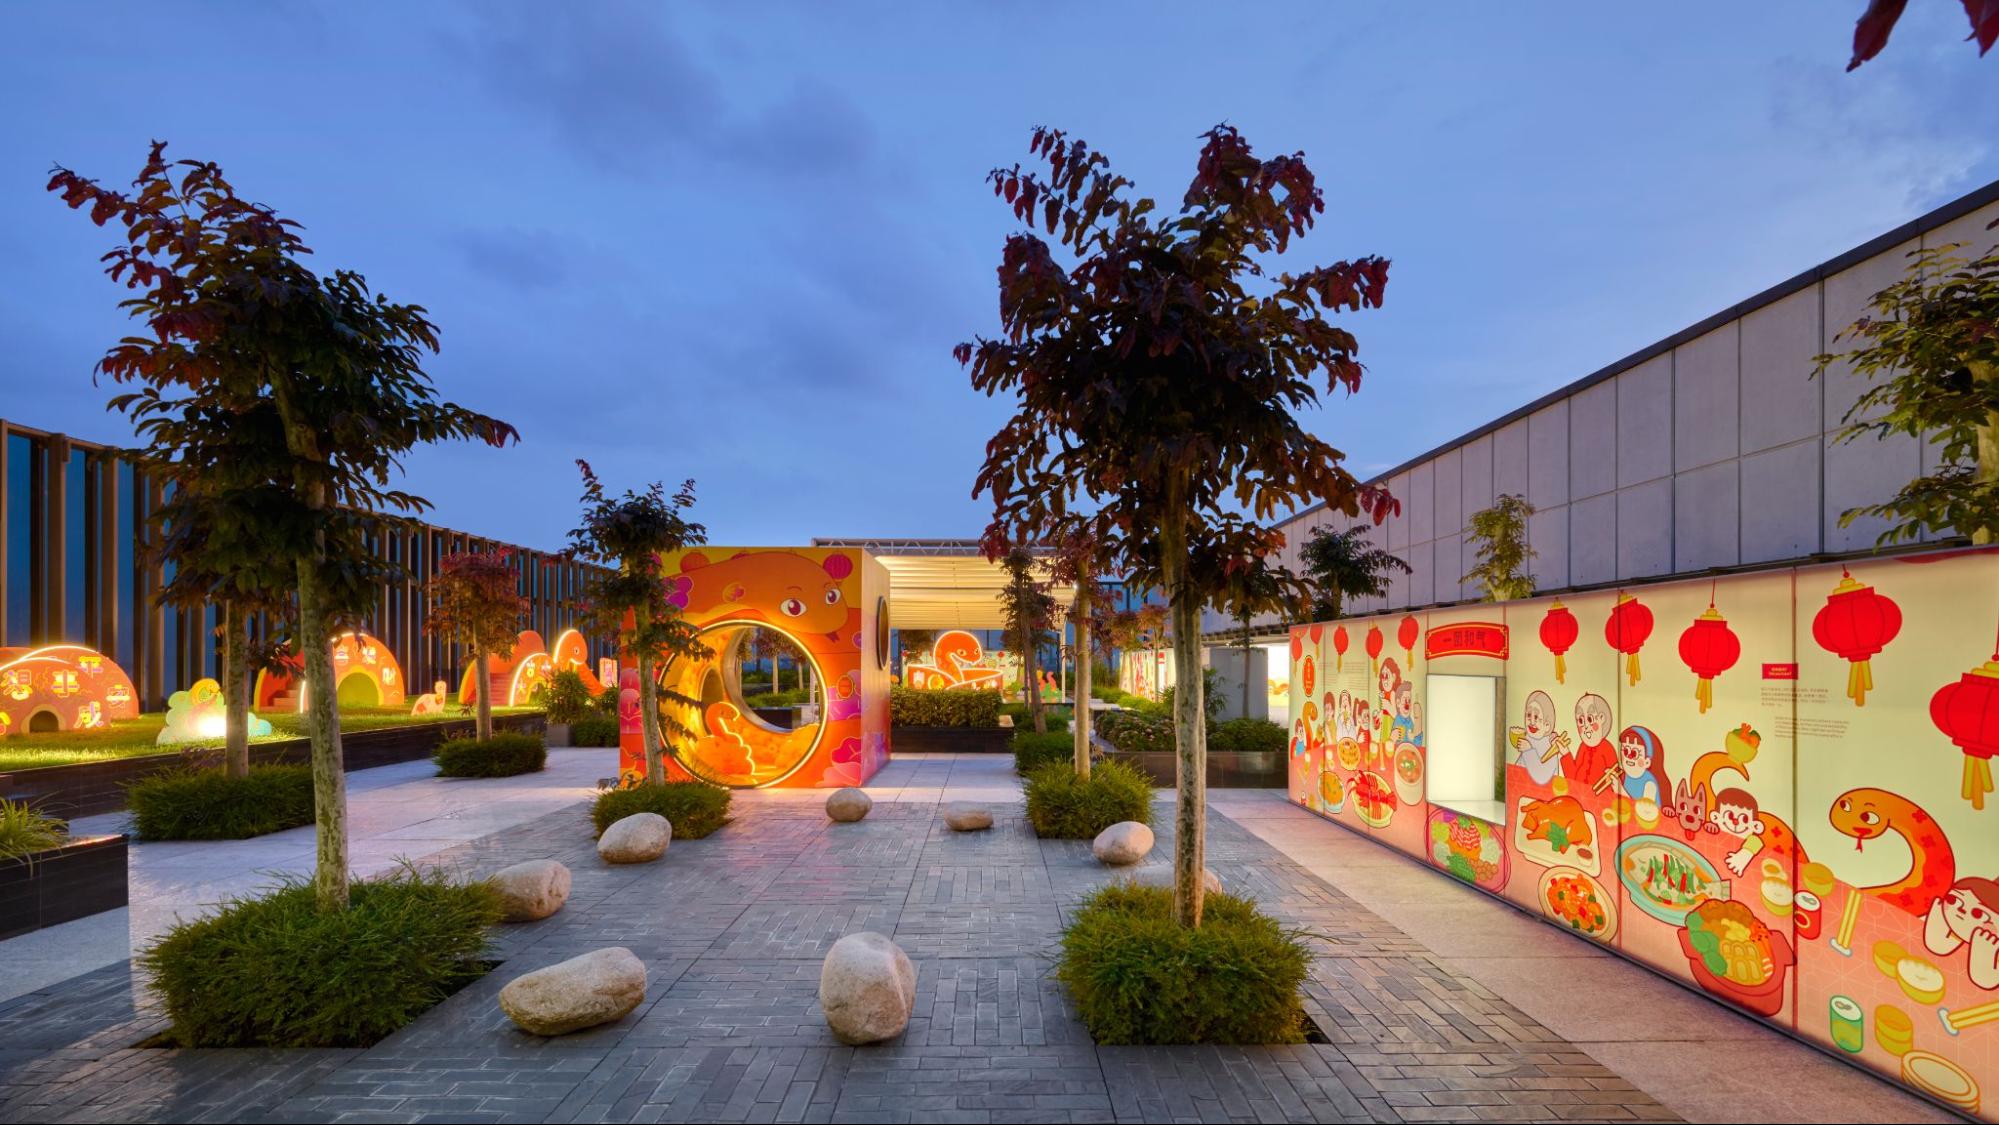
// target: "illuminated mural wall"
[[956, 660], [61, 687], [527, 668], [1145, 672], [1775, 787], [832, 603], [365, 674]]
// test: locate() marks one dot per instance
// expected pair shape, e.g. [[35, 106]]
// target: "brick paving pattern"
[[732, 930]]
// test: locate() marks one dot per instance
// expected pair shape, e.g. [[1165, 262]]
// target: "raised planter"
[[88, 788], [1227, 769], [83, 877], [950, 740]]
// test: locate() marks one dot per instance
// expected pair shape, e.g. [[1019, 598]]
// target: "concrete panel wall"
[[1715, 448]]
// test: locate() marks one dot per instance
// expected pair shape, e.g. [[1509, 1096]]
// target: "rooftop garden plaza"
[[765, 832]]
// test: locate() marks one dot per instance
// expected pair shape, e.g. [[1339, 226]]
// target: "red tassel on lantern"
[[1855, 624], [1968, 712], [1339, 648], [1629, 625], [1709, 648], [1407, 633], [1559, 631], [1373, 651]]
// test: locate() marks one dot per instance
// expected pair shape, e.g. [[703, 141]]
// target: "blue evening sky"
[[736, 242]]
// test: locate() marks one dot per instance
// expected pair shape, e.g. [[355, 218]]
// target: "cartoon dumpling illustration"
[[1537, 744], [1967, 917]]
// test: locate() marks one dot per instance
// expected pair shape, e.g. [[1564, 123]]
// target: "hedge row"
[[910, 707]]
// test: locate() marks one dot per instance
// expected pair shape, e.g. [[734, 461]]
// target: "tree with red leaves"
[[239, 334], [1870, 34], [1155, 379], [476, 600]]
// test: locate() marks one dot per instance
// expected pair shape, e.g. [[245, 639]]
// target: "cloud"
[[618, 87], [522, 260]]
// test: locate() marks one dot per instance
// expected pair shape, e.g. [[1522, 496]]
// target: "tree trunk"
[[1030, 681], [329, 775], [649, 710], [1988, 445], [1245, 667], [483, 727], [235, 696], [1081, 709], [1190, 736]]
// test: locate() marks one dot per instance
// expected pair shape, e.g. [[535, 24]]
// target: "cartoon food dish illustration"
[[1468, 848], [1348, 753], [1941, 1079], [1920, 979], [1374, 800], [1894, 1030], [1665, 878], [1869, 814], [1849, 1028], [1556, 832], [1332, 791], [1579, 902], [1409, 774], [1735, 956]]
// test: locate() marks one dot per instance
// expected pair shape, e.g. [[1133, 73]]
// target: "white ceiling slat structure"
[[942, 583]]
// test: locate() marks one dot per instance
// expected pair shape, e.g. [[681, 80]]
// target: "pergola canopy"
[[943, 583]]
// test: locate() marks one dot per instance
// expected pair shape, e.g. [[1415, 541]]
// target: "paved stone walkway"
[[732, 930]]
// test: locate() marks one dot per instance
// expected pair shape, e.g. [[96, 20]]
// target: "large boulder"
[[531, 891], [966, 816], [638, 838], [848, 805], [599, 987], [1162, 876], [867, 988], [1122, 844]]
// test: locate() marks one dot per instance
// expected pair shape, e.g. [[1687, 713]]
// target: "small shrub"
[[1056, 718], [1211, 700], [24, 831], [695, 808], [606, 702], [208, 804], [1246, 735], [911, 707], [1106, 689], [567, 697], [503, 755], [1136, 731], [1138, 976], [1031, 750], [793, 698], [1062, 806], [273, 971], [594, 730]]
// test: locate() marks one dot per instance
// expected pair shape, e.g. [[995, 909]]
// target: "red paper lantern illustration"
[[1709, 647], [1629, 625], [1968, 712], [1559, 631], [1407, 632], [1339, 648], [1297, 644], [1373, 651], [1855, 624]]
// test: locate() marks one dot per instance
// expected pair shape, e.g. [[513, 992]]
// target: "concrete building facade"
[[1710, 449]]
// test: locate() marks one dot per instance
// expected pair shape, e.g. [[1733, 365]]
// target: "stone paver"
[[732, 930]]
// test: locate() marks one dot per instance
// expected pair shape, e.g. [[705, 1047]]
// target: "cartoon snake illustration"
[[1867, 814]]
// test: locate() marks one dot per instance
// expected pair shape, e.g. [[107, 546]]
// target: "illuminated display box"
[[61, 687]]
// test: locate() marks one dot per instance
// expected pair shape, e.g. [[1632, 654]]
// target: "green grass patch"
[[1062, 806], [137, 738], [503, 755], [1138, 976], [695, 808], [273, 971], [197, 803], [24, 831], [1032, 751]]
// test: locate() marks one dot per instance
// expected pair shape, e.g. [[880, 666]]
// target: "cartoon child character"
[[1967, 916], [1345, 726], [1391, 678], [1642, 760], [1593, 763], [1735, 815], [1402, 725], [1538, 744]]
